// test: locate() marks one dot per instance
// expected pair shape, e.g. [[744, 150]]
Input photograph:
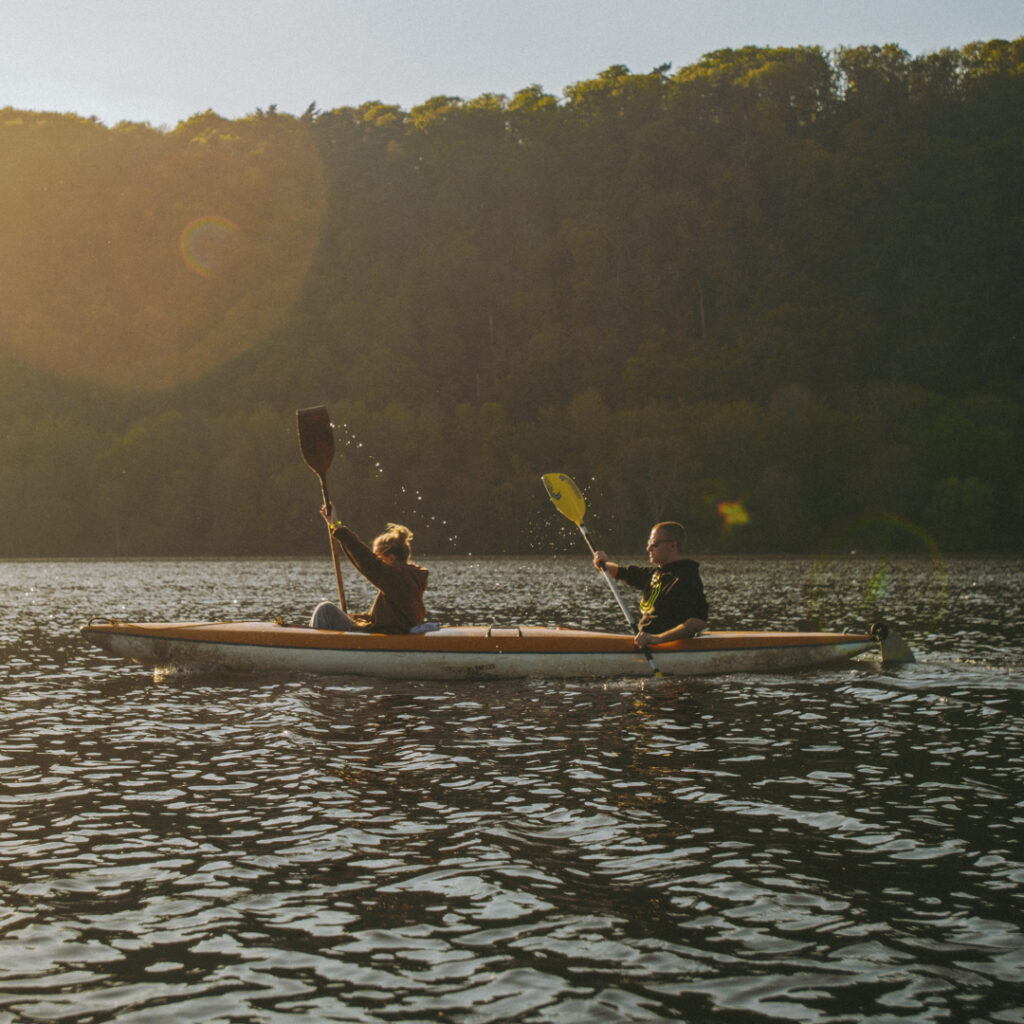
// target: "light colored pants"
[[327, 615]]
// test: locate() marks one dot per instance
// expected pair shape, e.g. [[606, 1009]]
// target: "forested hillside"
[[776, 294]]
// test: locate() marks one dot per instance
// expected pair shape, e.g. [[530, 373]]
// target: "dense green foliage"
[[785, 278]]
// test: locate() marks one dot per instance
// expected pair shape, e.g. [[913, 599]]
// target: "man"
[[673, 606]]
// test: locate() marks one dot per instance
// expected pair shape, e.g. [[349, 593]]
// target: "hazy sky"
[[163, 60]]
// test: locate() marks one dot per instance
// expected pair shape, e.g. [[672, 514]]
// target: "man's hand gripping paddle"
[[568, 499]]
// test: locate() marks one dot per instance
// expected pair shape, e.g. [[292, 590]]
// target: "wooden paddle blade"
[[316, 438], [566, 496]]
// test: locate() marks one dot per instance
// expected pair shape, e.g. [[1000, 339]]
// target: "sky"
[[161, 61]]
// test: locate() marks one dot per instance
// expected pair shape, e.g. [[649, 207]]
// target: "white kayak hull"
[[464, 652]]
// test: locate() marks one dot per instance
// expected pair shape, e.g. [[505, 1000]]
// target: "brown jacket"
[[399, 605]]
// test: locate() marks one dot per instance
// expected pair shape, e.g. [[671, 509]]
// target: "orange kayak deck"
[[463, 651]]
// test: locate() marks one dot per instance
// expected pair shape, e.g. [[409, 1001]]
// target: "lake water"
[[842, 845]]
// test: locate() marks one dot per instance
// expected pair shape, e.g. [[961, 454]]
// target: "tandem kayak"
[[464, 652]]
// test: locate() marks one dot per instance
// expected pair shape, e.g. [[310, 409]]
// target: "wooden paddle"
[[316, 439], [568, 499]]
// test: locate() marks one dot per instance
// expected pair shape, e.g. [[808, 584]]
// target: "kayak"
[[465, 652]]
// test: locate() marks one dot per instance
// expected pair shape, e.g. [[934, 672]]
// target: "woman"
[[398, 606]]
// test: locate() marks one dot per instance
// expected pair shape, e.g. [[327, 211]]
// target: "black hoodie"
[[672, 593]]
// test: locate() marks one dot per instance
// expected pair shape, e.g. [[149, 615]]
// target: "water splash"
[[376, 464]]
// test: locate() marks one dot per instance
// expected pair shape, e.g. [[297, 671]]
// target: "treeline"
[[775, 293]]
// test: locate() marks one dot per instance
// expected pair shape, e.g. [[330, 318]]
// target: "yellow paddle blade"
[[566, 496]]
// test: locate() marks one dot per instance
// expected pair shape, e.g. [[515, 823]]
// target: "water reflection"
[[830, 846]]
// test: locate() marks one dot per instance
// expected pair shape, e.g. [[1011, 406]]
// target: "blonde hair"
[[396, 540]]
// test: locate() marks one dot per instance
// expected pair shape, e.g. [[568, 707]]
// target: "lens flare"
[[733, 513], [140, 260], [863, 577], [208, 245]]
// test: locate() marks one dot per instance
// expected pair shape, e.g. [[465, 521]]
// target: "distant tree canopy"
[[784, 281]]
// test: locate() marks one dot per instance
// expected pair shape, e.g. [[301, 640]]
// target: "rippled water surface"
[[841, 845]]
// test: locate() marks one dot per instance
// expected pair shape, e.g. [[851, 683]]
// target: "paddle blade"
[[566, 496], [316, 438]]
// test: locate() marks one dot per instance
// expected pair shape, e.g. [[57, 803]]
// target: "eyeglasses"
[[660, 540]]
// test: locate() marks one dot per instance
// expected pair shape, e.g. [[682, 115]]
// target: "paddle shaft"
[[618, 597], [316, 441], [334, 546], [611, 583], [568, 499]]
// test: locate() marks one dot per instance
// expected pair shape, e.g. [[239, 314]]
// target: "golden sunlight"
[[140, 259]]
